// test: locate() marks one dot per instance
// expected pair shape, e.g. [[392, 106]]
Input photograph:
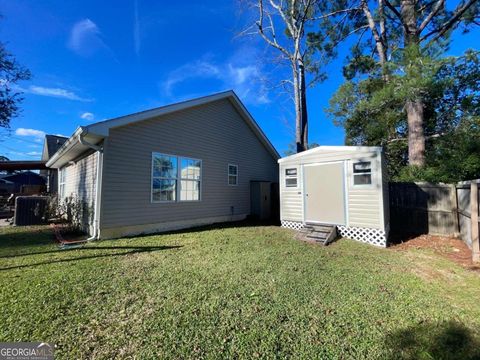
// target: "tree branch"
[[440, 31], [435, 10]]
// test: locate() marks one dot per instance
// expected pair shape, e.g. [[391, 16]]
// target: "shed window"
[[291, 177], [362, 173], [232, 174], [190, 175], [61, 182], [164, 177]]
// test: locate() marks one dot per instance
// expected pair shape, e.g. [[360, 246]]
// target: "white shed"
[[345, 186]]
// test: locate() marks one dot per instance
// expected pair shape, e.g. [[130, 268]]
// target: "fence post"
[[474, 221], [454, 201]]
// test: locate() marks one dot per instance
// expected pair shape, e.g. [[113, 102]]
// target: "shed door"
[[325, 193]]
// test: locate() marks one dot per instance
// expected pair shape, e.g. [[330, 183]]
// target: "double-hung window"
[[362, 173], [175, 178], [291, 177], [61, 182], [232, 174]]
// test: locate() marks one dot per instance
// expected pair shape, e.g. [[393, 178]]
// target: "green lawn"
[[240, 292]]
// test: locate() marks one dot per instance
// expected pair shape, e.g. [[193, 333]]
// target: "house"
[[344, 186], [51, 145], [173, 167], [25, 181]]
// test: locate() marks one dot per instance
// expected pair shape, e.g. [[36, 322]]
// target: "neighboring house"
[[345, 186], [50, 146], [172, 167], [21, 179]]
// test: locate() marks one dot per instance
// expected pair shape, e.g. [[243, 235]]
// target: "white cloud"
[[245, 79], [87, 116], [54, 92], [39, 134], [34, 153], [86, 38]]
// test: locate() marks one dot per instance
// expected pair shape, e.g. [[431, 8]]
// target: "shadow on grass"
[[133, 250], [25, 237], [216, 226], [448, 340]]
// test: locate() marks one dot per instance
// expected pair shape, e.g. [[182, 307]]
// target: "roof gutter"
[[65, 147]]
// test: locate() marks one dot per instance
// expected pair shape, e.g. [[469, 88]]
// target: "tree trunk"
[[303, 105], [416, 138], [414, 108], [300, 98]]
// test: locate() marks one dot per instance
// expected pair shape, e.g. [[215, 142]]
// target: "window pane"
[[190, 190], [291, 172], [362, 179], [232, 170], [362, 167], [190, 169], [164, 166], [291, 182], [164, 190], [232, 180]]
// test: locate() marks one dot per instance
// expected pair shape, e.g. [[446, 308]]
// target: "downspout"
[[98, 186]]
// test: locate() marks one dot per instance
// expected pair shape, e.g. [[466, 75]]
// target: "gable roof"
[[51, 145], [96, 132]]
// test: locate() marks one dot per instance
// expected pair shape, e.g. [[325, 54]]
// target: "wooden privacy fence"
[[439, 209]]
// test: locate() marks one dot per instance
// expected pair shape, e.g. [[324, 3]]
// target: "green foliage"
[[10, 74], [237, 292], [75, 212], [372, 112]]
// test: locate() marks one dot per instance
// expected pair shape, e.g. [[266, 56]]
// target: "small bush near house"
[[71, 211]]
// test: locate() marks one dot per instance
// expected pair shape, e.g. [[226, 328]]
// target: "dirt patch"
[[451, 248]]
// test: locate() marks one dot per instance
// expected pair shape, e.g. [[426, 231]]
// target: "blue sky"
[[94, 60]]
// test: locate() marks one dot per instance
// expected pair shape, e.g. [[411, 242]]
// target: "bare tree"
[[282, 25]]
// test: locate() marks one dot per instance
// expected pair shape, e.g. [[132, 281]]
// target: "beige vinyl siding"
[[365, 208], [214, 133], [80, 181]]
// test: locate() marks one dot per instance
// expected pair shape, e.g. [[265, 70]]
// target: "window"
[[164, 177], [291, 177], [175, 178], [190, 173], [232, 175], [362, 173], [61, 182]]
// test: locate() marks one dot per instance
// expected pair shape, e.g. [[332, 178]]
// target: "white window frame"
[[178, 179], [61, 182], [285, 177], [234, 175], [371, 173]]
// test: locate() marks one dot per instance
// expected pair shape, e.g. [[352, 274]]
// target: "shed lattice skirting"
[[367, 235], [295, 225]]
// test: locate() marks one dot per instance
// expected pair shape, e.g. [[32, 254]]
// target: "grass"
[[235, 292]]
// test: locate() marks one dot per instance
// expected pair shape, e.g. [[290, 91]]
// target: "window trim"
[[235, 175], [178, 179], [287, 177], [358, 161]]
